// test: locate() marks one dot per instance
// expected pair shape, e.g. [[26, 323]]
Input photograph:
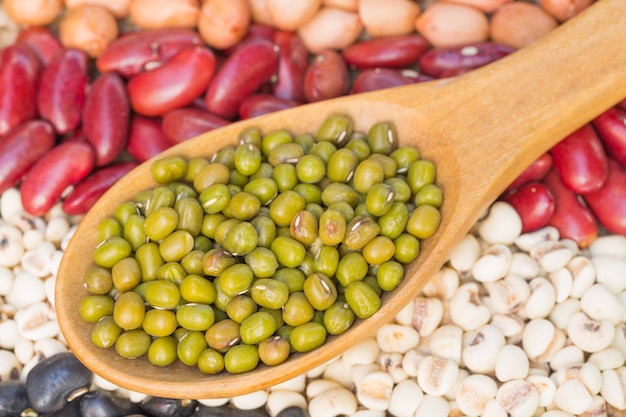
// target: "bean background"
[[516, 323]]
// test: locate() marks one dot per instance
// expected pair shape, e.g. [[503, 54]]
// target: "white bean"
[[374, 391], [584, 274], [250, 401], [297, 383], [32, 238], [405, 315], [511, 363], [102, 383], [392, 364], [537, 337], [569, 355], [614, 387], [358, 372], [443, 284], [366, 351], [12, 248], [600, 304], [596, 409], [473, 394], [551, 255], [502, 225], [518, 397], [24, 350], [447, 342], [465, 254], [338, 371], [493, 409], [405, 399], [56, 229], [572, 396], [563, 312], [35, 322], [588, 374], [546, 388], [541, 300], [610, 271], [508, 294], [426, 315], [590, 335], [493, 264], [27, 290], [6, 280], [436, 375], [335, 402], [480, 348], [609, 358], [467, 309], [10, 366], [209, 402], [411, 361], [10, 335], [610, 245], [280, 399], [523, 265], [562, 281], [433, 406], [10, 203], [511, 325], [450, 395], [397, 338], [317, 386], [527, 241]]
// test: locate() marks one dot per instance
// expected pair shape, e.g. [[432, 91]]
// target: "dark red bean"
[[146, 138], [90, 189], [20, 71], [534, 203], [260, 104], [182, 124], [177, 83], [292, 65], [106, 117], [608, 203], [62, 91], [327, 77], [453, 72], [65, 165], [243, 73], [534, 172], [580, 160], [611, 127], [438, 60], [132, 53], [573, 220], [388, 52], [41, 41], [379, 78], [21, 148]]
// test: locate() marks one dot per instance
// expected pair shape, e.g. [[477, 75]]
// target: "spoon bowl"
[[481, 130]]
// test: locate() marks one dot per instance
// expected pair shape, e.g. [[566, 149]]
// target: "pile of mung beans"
[[261, 249]]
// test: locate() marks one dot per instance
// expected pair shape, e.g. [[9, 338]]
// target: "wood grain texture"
[[481, 130]]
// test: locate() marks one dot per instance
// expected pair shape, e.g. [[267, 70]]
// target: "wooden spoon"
[[481, 129]]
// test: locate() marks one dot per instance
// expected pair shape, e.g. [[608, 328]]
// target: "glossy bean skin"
[[572, 219], [41, 41], [580, 160], [89, 190], [21, 148], [379, 78], [534, 203], [292, 65], [168, 407], [536, 171], [104, 403], [175, 84], [65, 165], [146, 138], [388, 52], [612, 131], [608, 203], [256, 31], [106, 117], [135, 52], [438, 60], [63, 89], [13, 398], [20, 73], [326, 77], [242, 74], [186, 123], [51, 382], [260, 104]]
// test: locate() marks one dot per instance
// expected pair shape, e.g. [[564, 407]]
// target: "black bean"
[[293, 411], [13, 398], [100, 403], [167, 407], [72, 409], [228, 411], [55, 381]]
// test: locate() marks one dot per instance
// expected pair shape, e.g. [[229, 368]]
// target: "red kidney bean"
[[260, 104], [388, 52], [453, 72], [90, 189], [534, 172], [573, 220], [611, 127], [146, 138], [41, 41], [608, 203], [182, 124], [132, 53], [244, 72], [62, 91], [327, 77], [65, 165], [292, 64], [580, 160], [106, 117], [379, 78], [438, 60], [173, 85], [20, 71], [534, 203], [255, 31], [21, 148]]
